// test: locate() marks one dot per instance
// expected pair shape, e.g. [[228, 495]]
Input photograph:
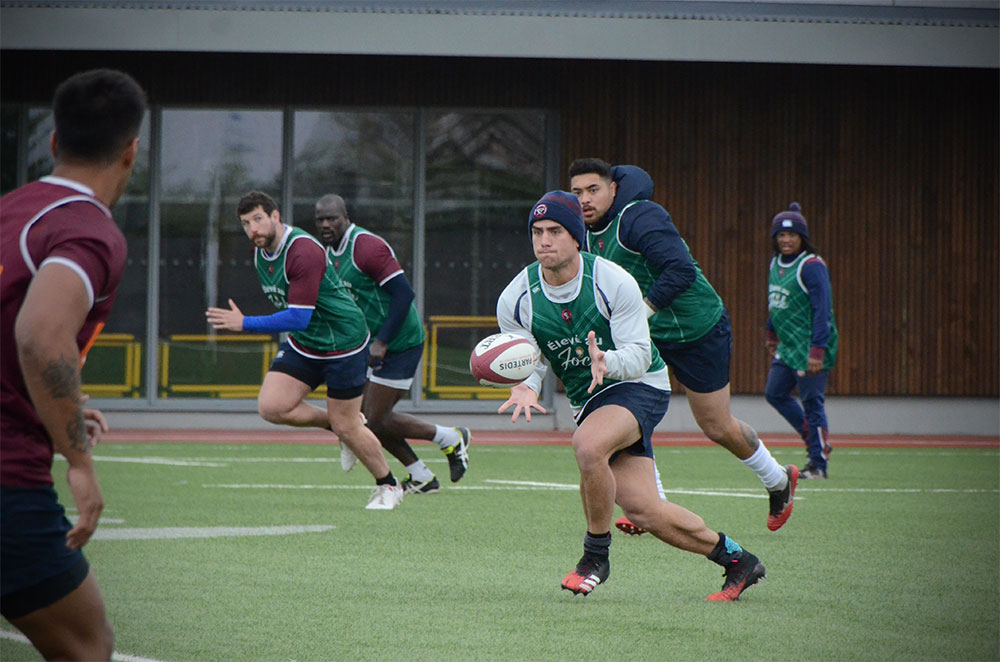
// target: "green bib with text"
[[372, 299], [336, 324], [691, 314]]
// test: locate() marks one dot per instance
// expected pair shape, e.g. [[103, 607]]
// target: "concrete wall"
[[847, 415]]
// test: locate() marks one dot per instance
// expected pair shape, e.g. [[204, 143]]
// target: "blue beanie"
[[564, 209], [791, 220]]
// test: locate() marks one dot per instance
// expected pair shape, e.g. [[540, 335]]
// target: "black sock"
[[726, 551], [598, 544], [387, 479]]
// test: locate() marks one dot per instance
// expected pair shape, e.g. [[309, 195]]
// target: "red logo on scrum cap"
[[540, 211], [566, 315]]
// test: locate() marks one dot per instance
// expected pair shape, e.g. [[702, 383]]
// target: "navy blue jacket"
[[647, 228]]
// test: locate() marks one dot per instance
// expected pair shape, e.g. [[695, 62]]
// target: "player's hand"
[[815, 365], [225, 319], [598, 366], [771, 342], [82, 481], [376, 352], [94, 423], [523, 398]]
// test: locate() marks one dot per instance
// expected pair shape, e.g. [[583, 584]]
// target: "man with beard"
[[327, 341]]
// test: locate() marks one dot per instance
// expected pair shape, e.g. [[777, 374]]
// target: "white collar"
[[68, 183]]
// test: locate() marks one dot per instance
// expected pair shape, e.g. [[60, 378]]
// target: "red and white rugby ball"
[[503, 359]]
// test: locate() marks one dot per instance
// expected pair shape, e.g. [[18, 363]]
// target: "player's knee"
[[774, 397], [96, 643], [588, 454], [379, 422], [717, 424], [270, 412], [718, 431], [106, 641]]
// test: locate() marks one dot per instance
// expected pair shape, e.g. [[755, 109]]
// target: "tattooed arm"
[[52, 315]]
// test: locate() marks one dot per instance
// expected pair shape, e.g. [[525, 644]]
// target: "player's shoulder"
[[303, 246], [63, 215], [517, 285], [606, 269], [642, 210], [366, 241], [302, 240]]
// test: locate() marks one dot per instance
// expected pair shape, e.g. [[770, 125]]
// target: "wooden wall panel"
[[896, 170]]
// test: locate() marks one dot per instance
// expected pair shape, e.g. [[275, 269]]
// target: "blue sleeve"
[[400, 297], [816, 278], [651, 231], [290, 319]]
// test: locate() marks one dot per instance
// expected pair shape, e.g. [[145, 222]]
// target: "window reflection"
[[484, 171], [114, 365], [210, 159], [366, 158], [9, 129]]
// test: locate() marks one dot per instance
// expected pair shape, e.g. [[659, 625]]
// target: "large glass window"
[[367, 159], [458, 227], [114, 365], [210, 159], [484, 171], [9, 131]]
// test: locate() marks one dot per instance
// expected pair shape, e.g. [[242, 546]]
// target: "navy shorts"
[[647, 404], [397, 368], [36, 566], [344, 376], [702, 366]]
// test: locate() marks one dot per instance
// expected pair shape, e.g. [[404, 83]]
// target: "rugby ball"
[[503, 360]]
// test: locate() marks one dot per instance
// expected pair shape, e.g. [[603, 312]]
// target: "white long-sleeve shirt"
[[619, 300]]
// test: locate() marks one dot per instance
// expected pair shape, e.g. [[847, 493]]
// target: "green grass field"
[[894, 558]]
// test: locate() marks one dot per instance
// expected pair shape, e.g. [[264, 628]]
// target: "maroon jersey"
[[51, 220]]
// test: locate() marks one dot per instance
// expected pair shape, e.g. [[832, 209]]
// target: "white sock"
[[446, 437], [767, 468], [659, 484], [419, 471]]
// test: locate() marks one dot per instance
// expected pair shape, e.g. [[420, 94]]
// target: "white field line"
[[181, 532], [515, 485], [156, 460], [118, 657], [220, 462]]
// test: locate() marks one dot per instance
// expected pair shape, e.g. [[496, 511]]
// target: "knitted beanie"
[[791, 220], [564, 209]]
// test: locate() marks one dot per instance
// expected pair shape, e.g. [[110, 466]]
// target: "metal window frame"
[[150, 400]]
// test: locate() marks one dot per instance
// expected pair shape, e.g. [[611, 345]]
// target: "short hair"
[[97, 114], [588, 166], [254, 199]]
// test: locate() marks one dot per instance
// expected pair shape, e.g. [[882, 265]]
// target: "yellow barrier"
[[430, 376], [132, 379], [452, 392], [269, 350]]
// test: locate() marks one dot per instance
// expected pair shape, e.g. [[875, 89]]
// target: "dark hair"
[[97, 114], [254, 199], [590, 165], [806, 246]]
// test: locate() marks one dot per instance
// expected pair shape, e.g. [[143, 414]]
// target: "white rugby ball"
[[503, 360]]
